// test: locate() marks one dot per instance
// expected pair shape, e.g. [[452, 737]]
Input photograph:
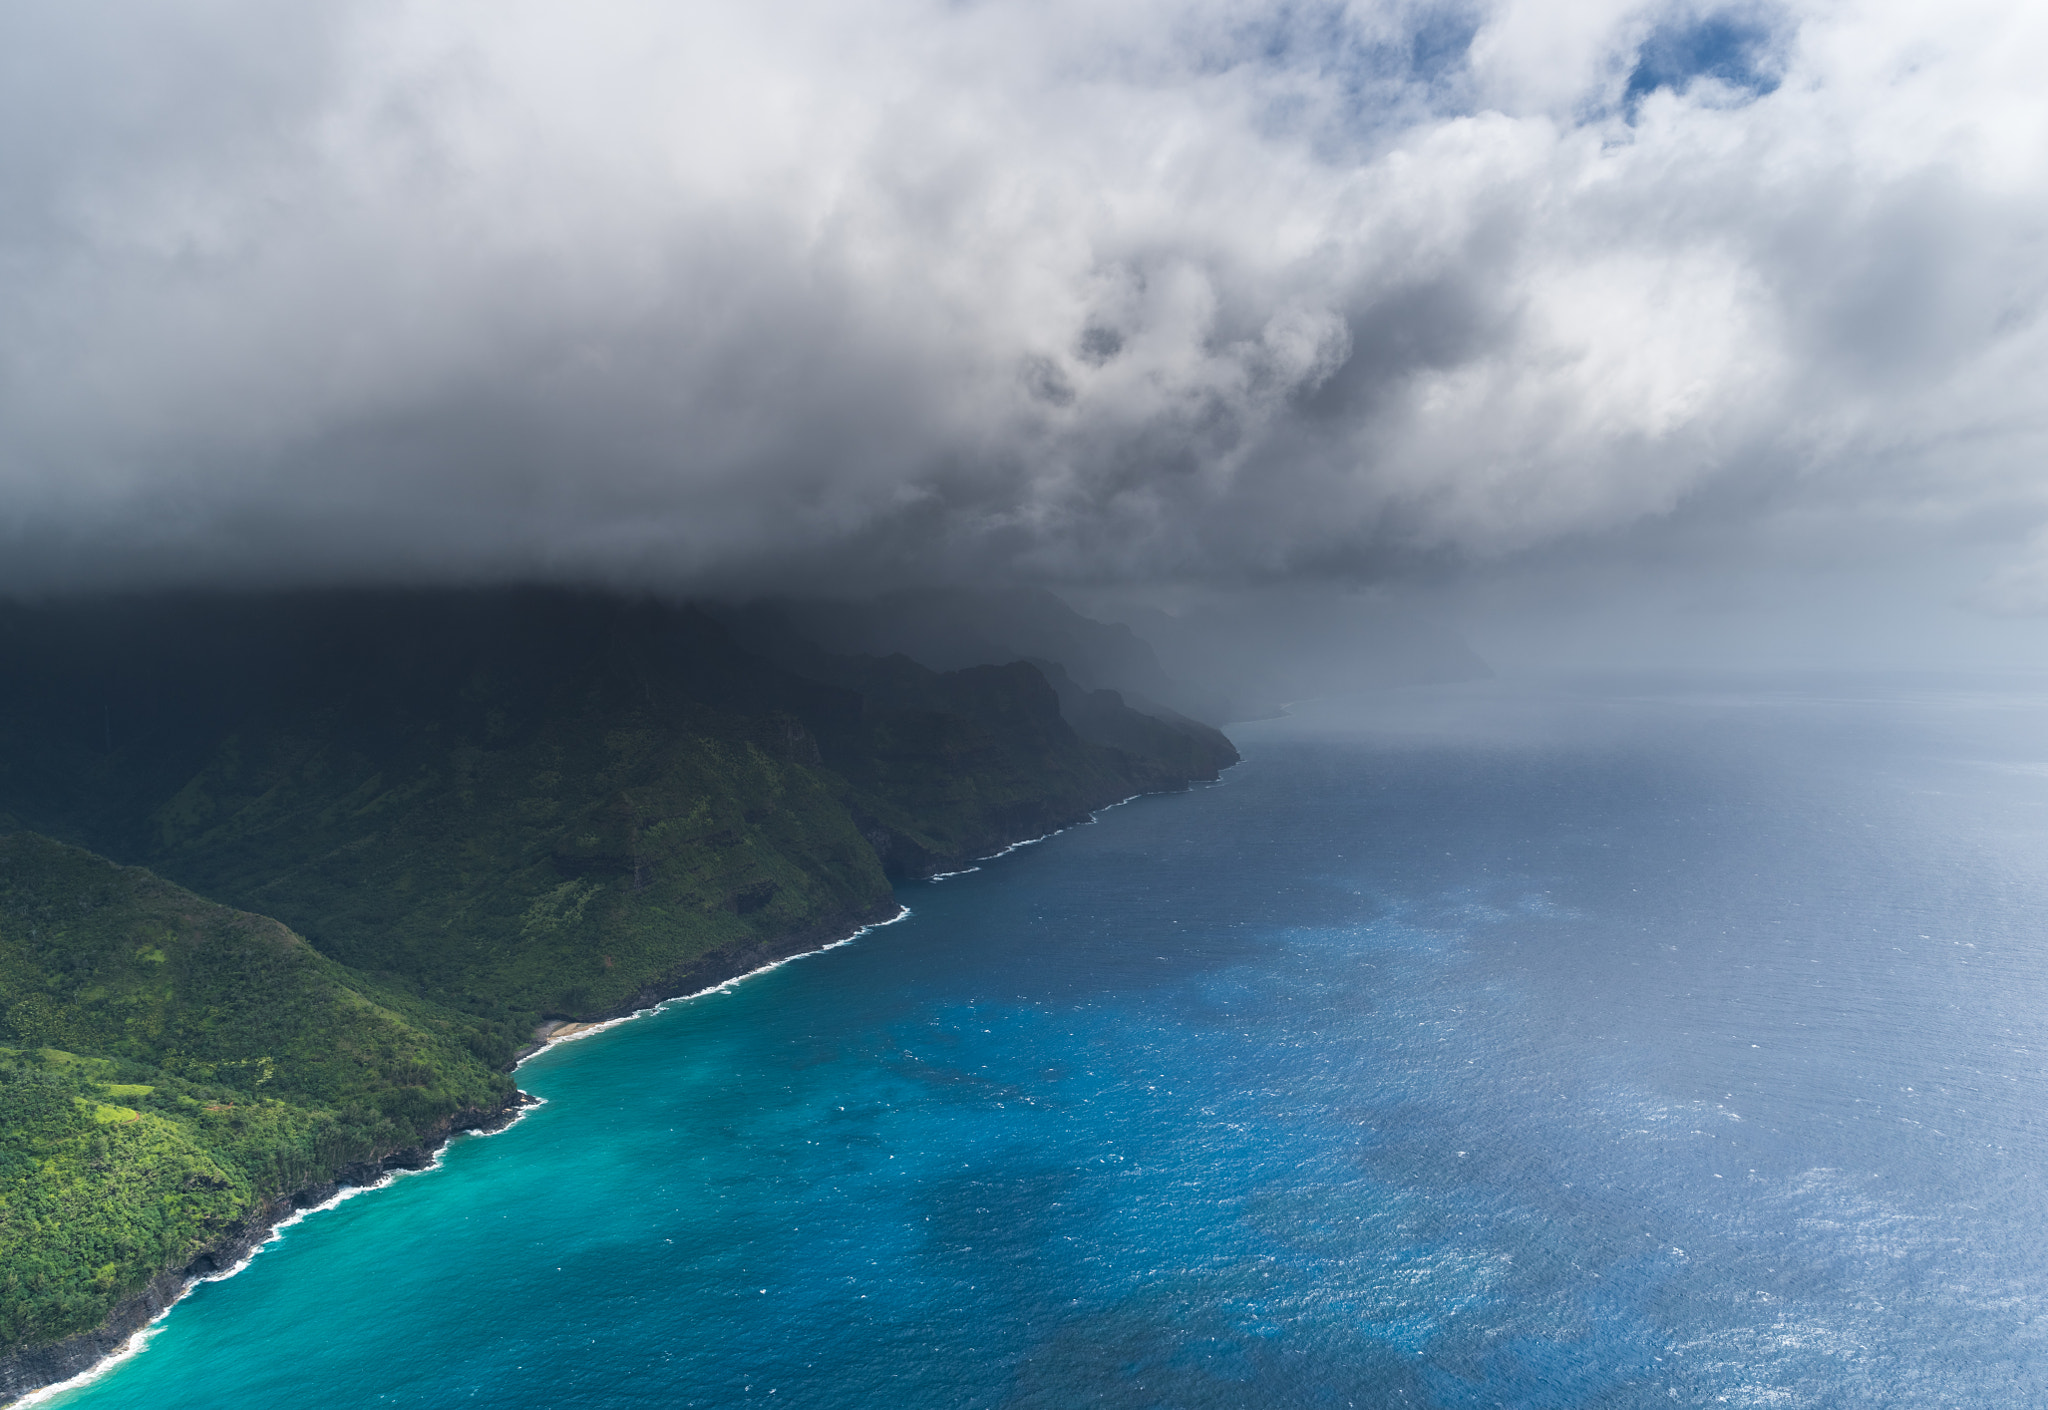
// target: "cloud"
[[879, 290]]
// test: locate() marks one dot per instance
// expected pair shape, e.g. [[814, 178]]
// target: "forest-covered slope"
[[170, 1066]]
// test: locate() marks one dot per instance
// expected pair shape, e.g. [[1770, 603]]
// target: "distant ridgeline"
[[422, 824]]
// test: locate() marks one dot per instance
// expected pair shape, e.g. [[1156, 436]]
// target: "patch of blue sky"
[[1349, 79], [1742, 50]]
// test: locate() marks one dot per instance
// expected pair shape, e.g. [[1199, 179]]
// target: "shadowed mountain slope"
[[529, 803]]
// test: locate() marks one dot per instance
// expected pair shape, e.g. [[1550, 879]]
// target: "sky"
[[1594, 327]]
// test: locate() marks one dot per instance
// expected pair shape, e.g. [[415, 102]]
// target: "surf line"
[[138, 1341], [1093, 817], [724, 986], [937, 877]]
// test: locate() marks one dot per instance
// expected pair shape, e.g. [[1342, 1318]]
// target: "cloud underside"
[[876, 291]]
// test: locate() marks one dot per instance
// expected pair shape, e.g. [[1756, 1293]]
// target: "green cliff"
[[480, 810]]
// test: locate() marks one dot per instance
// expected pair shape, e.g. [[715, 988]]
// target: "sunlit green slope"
[[172, 1064]]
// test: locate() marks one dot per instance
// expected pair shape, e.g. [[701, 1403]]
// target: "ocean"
[[1627, 1043]]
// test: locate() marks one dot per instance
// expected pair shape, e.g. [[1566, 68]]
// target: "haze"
[[1605, 332]]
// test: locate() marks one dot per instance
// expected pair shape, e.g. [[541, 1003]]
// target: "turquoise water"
[[1628, 1046]]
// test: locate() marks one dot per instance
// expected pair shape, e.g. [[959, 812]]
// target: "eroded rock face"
[[32, 1368]]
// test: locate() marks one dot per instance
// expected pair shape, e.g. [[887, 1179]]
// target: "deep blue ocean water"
[[1632, 1045]]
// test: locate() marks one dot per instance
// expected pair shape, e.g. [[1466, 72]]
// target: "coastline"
[[553, 1032], [35, 1375], [720, 969]]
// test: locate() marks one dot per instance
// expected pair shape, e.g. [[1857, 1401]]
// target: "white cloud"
[[1159, 290]]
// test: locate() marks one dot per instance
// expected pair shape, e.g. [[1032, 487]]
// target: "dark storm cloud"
[[877, 291]]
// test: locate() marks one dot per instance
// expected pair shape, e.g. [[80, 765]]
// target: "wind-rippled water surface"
[[1596, 1047]]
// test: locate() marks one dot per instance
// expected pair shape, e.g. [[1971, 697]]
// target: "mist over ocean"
[[1642, 1043]]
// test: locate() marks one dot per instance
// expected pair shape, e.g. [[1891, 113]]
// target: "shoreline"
[[36, 1375], [569, 1030], [551, 1033]]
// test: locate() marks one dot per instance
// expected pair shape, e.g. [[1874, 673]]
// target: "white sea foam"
[[724, 986], [134, 1345], [1031, 841], [1034, 841], [1044, 836]]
